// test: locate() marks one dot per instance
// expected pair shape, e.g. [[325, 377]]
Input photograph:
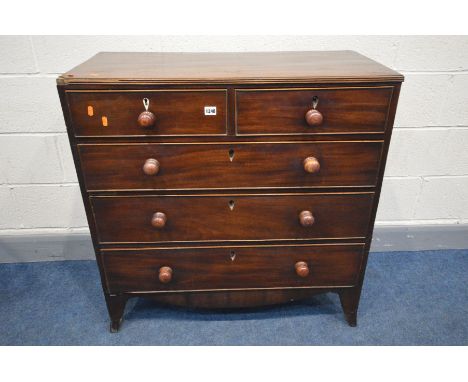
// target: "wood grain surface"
[[223, 166], [280, 111], [230, 217], [176, 112], [237, 67], [213, 268]]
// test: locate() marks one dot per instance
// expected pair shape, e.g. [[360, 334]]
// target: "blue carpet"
[[409, 298]]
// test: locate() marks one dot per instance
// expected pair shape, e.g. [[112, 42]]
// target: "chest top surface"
[[235, 67]]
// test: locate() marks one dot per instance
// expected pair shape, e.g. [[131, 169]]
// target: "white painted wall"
[[426, 181]]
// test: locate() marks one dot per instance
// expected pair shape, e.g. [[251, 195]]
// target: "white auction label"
[[210, 110]]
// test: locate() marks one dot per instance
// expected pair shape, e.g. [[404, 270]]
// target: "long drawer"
[[179, 218], [213, 268], [250, 165], [176, 112], [283, 111]]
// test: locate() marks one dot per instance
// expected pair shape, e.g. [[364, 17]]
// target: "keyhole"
[[231, 204], [315, 101], [231, 155], [146, 103], [232, 255]]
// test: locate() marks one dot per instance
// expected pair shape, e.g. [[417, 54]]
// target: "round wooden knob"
[[302, 269], [159, 220], [151, 167], [314, 117], [165, 274], [146, 119], [306, 218], [311, 165]]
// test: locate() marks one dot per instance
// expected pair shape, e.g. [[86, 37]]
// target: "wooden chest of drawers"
[[230, 180]]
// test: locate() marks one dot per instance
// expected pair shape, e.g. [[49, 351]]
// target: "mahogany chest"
[[225, 180]]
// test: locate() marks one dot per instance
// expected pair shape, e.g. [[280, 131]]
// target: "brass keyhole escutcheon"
[[231, 155], [231, 204], [232, 255]]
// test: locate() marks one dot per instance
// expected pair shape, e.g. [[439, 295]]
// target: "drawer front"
[[202, 166], [232, 268], [345, 110], [133, 219], [176, 112]]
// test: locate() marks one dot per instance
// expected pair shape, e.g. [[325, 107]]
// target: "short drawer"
[[212, 268], [193, 218], [283, 111], [223, 166], [176, 112]]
